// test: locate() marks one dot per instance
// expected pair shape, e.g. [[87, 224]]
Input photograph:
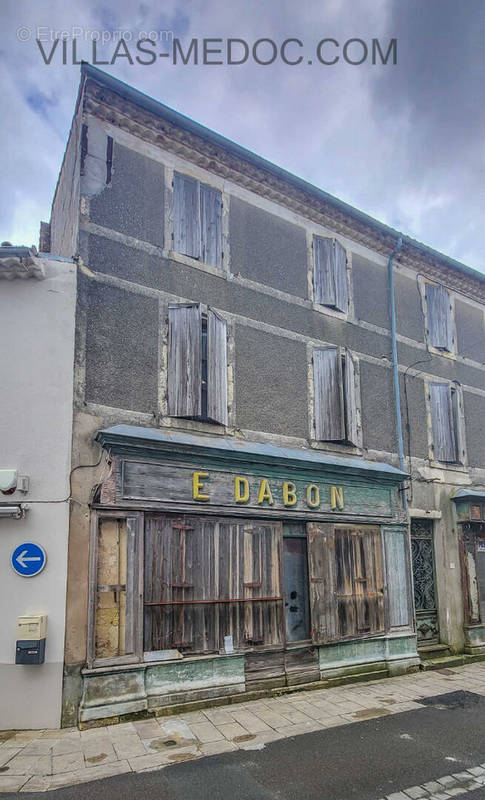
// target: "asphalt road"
[[365, 760]]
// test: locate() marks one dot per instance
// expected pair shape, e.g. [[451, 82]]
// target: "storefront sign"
[[185, 485]]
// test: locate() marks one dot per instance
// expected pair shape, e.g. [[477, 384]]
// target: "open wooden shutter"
[[351, 400], [323, 253], [439, 317], [184, 360], [327, 376], [340, 273], [330, 273], [186, 215], [216, 368], [321, 572], [210, 225], [442, 422]]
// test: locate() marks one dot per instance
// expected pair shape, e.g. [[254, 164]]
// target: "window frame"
[[210, 323], [134, 603], [344, 354], [317, 235], [461, 461], [201, 231], [441, 351]]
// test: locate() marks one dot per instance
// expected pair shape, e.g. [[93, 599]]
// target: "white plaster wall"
[[36, 377]]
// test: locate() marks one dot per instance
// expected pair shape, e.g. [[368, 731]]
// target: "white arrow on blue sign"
[[28, 559]]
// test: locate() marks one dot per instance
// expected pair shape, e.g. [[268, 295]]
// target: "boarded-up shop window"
[[335, 393], [346, 582], [197, 364], [444, 404], [208, 579], [359, 581], [439, 326], [396, 545], [197, 213], [330, 273], [115, 589]]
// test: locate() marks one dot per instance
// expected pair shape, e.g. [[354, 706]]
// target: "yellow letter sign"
[[241, 489], [336, 498], [197, 487]]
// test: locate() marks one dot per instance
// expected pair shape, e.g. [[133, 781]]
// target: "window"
[[346, 582], [197, 364], [330, 274], [335, 395], [439, 326], [197, 213], [446, 438], [208, 579], [114, 586]]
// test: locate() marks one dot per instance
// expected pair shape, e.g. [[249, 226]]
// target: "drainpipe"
[[395, 370]]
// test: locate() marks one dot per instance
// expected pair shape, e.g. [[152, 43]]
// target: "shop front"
[[470, 517], [222, 567]]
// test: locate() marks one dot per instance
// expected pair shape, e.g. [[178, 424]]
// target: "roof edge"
[[133, 438], [177, 118]]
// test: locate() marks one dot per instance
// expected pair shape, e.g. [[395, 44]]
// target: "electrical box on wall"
[[31, 633]]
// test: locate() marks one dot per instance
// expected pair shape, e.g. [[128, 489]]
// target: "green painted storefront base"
[[149, 689]]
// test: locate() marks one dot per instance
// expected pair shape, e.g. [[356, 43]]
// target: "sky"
[[403, 142]]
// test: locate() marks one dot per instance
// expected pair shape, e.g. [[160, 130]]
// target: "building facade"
[[37, 322], [270, 507]]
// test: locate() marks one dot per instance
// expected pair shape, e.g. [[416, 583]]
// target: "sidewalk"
[[32, 761]]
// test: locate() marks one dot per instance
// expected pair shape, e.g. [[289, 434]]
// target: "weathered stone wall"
[[130, 274]]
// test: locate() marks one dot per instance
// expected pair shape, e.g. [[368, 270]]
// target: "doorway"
[[295, 569], [424, 577]]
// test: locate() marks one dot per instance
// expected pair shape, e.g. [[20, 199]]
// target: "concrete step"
[[443, 662], [433, 650]]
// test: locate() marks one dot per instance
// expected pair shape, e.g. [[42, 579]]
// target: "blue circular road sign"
[[28, 559]]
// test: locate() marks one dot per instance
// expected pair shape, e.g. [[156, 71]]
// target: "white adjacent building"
[[37, 313]]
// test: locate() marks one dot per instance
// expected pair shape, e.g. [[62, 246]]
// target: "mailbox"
[[31, 633]]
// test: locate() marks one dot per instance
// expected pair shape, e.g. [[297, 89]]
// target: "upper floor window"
[[335, 395], [197, 364], [446, 438], [197, 212], [330, 274], [439, 323]]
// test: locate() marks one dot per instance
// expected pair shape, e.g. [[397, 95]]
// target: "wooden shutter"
[[351, 400], [210, 225], [442, 422], [186, 215], [398, 579], [216, 368], [327, 377], [330, 273], [321, 573], [184, 360], [359, 582], [439, 317], [324, 282], [340, 273]]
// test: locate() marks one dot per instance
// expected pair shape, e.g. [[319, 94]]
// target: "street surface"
[[434, 749]]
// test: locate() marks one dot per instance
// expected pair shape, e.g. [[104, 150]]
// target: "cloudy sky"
[[404, 142]]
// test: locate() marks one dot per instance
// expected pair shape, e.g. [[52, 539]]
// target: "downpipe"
[[397, 394]]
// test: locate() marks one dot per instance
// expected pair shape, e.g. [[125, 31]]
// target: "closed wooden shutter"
[[210, 225], [321, 572], [350, 400], [359, 581], [330, 273], [439, 317], [208, 578], [398, 579], [186, 215], [184, 360], [328, 395], [217, 368], [442, 422]]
